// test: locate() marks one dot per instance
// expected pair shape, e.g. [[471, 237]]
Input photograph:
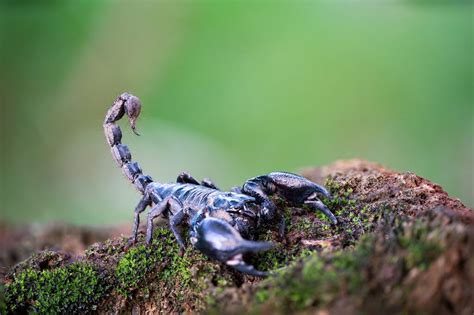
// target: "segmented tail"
[[131, 106]]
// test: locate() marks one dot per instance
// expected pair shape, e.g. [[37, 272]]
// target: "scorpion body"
[[217, 219]]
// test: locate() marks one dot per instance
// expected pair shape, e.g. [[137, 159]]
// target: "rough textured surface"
[[402, 245], [18, 243], [374, 185]]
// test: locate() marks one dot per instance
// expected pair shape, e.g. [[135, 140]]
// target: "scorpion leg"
[[261, 193], [295, 189], [206, 182], [237, 190], [144, 202], [171, 203], [154, 212], [185, 178], [176, 220]]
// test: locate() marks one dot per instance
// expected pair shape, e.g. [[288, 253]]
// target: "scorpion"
[[221, 223]]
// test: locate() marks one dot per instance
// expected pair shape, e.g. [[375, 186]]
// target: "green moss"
[[315, 282], [355, 217], [274, 258], [73, 288], [135, 266], [355, 220], [421, 254], [179, 267], [162, 265], [421, 249], [262, 296], [3, 305], [323, 277]]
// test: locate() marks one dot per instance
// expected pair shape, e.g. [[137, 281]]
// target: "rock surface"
[[402, 245]]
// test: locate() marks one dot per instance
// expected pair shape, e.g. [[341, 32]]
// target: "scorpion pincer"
[[218, 220]]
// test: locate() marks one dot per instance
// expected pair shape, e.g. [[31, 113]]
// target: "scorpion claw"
[[325, 192], [319, 205], [238, 263], [219, 240]]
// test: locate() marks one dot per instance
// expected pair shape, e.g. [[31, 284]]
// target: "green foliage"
[[73, 288]]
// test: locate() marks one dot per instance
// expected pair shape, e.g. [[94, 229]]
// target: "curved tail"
[[131, 106]]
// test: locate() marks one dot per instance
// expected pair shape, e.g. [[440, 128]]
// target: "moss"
[[421, 254], [303, 225], [355, 220], [137, 263], [420, 248], [3, 305], [315, 281], [144, 271], [322, 278], [77, 287], [339, 262], [132, 269], [355, 217], [274, 258]]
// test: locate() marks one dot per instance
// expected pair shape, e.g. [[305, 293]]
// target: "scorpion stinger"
[[217, 219]]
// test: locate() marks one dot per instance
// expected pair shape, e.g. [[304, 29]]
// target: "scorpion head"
[[235, 203], [217, 239]]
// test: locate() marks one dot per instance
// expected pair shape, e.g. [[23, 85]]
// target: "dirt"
[[376, 185]]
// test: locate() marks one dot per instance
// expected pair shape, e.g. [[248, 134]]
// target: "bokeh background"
[[230, 90]]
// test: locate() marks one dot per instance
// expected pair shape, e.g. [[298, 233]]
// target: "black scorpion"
[[218, 220]]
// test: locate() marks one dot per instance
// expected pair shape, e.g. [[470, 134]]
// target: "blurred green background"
[[230, 90]]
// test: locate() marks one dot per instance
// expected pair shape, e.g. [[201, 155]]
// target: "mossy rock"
[[401, 246]]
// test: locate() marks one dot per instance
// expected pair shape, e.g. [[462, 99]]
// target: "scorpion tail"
[[131, 106]]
